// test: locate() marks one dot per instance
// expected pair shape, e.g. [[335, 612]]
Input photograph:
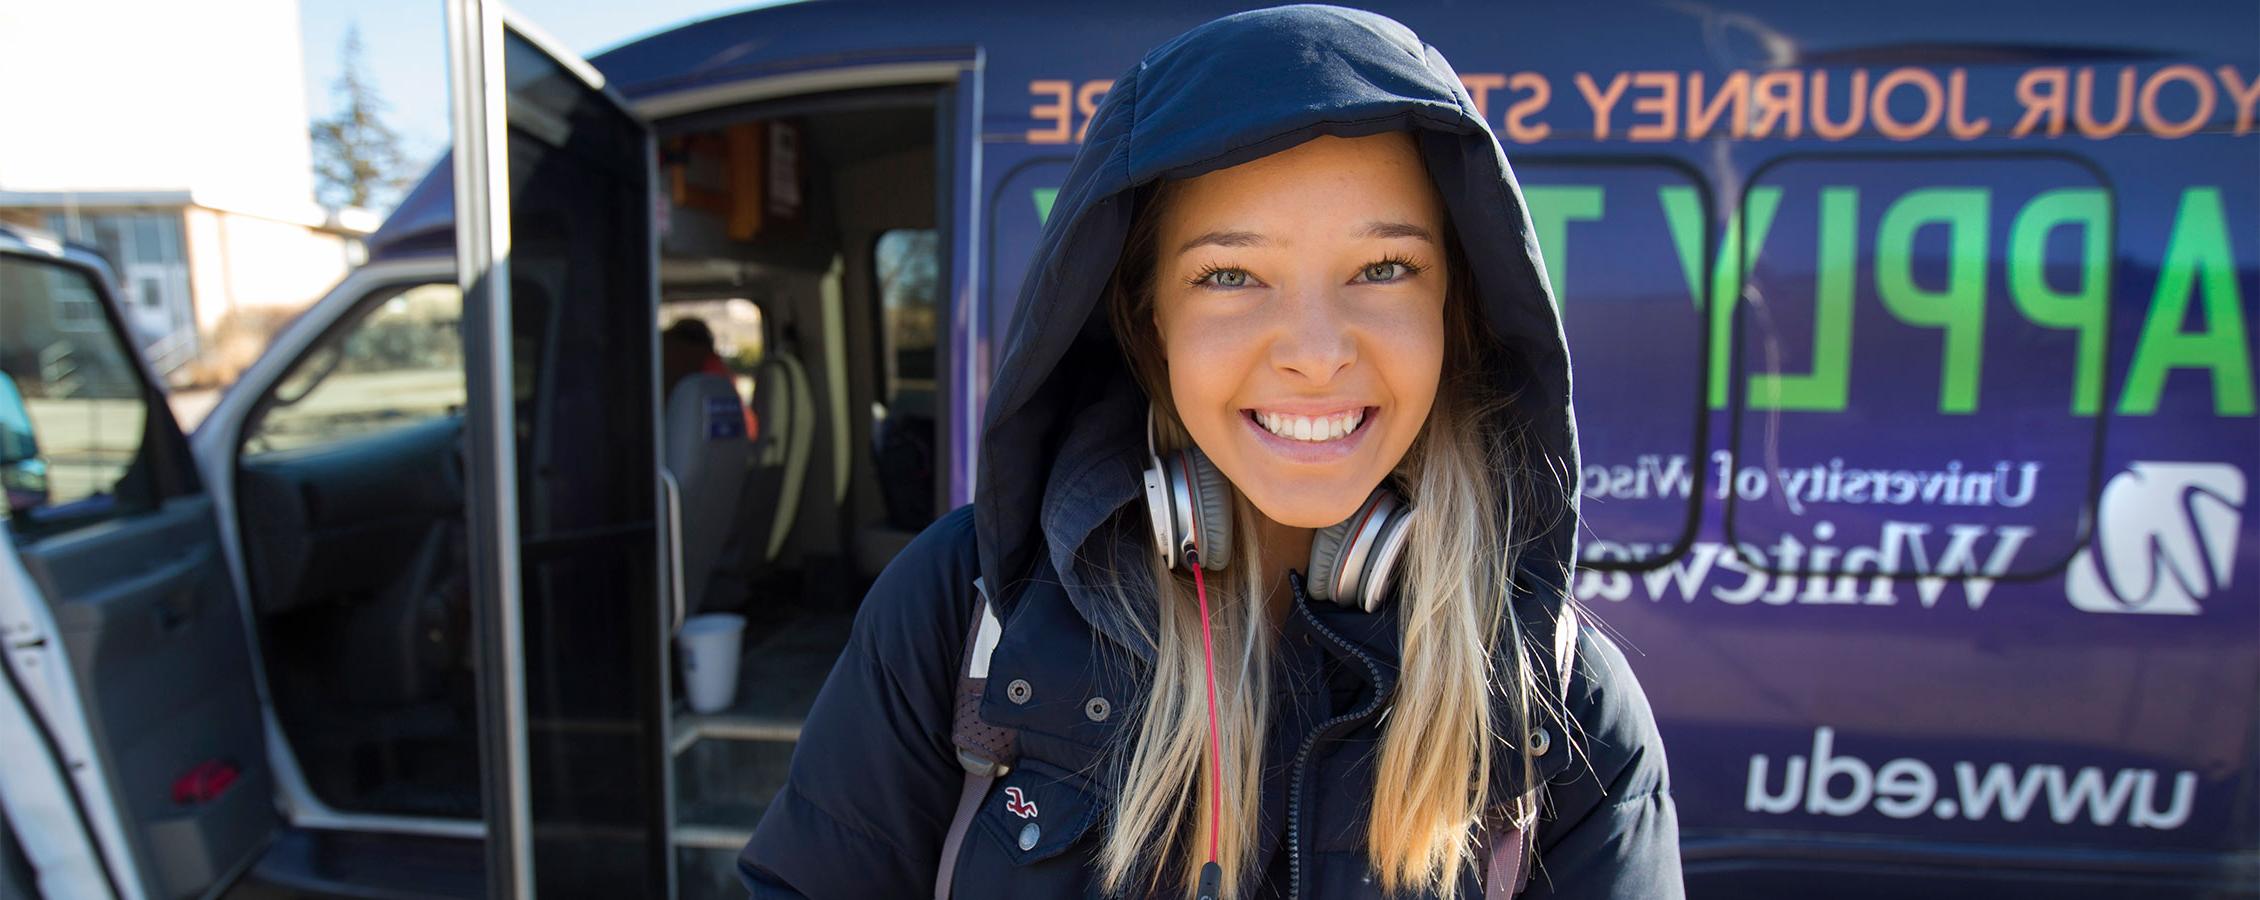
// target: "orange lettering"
[[2245, 95], [2039, 103], [1601, 102], [1702, 115], [1663, 104], [1880, 104], [2083, 103], [2195, 77], [1855, 106], [1479, 87], [1521, 110], [1055, 111], [1957, 92], [1777, 95]]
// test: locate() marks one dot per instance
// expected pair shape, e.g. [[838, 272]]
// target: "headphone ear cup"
[[1380, 575], [1353, 562], [1326, 556], [1212, 509], [1159, 510]]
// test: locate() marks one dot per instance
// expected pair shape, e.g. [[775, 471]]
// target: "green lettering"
[[2082, 309], [2199, 261], [1959, 309], [1823, 389], [1552, 208], [1688, 219]]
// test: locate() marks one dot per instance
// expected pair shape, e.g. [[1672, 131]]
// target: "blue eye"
[[1219, 276], [1389, 270]]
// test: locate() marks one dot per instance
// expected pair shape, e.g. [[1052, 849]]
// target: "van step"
[[782, 668], [725, 785], [690, 729], [712, 837]]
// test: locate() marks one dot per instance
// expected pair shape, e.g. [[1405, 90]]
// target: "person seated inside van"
[[687, 347]]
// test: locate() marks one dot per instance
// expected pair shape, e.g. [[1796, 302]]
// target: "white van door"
[[132, 755], [555, 244]]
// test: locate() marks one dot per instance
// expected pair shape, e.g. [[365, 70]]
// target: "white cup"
[[709, 645]]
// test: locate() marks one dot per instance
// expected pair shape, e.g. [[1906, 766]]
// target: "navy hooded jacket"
[[875, 779]]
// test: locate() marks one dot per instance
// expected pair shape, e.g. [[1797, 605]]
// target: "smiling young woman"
[[1294, 317], [1297, 308], [1322, 647]]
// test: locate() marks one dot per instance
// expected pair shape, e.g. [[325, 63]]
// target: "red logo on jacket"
[[1017, 804]]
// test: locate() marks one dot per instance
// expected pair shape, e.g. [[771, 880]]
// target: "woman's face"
[[1299, 299]]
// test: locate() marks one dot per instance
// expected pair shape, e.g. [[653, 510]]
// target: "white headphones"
[[1352, 562]]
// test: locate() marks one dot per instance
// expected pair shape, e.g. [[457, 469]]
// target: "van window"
[[73, 410], [908, 268], [1626, 243], [1016, 212], [1920, 363], [399, 362], [909, 264]]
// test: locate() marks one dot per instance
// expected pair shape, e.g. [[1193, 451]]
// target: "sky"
[[404, 49]]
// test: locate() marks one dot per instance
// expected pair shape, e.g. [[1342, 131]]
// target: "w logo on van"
[[2165, 538]]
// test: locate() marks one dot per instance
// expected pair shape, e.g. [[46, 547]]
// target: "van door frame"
[[479, 106], [217, 444], [485, 113], [956, 74]]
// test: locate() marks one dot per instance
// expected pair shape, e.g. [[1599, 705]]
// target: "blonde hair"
[[1458, 640]]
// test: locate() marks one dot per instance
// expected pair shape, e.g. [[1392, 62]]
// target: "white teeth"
[[1306, 428]]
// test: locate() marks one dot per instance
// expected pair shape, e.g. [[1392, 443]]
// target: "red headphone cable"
[[1212, 876]]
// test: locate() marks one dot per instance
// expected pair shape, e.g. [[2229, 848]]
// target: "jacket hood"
[[1063, 434]]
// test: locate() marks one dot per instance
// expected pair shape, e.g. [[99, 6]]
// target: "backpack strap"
[[1508, 865], [985, 751], [1510, 849]]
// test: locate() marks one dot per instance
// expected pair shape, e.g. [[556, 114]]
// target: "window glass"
[[581, 304], [148, 239], [1625, 245], [400, 363], [1920, 361], [907, 263], [73, 411]]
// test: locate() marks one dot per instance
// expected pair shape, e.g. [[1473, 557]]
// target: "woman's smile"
[[1310, 439]]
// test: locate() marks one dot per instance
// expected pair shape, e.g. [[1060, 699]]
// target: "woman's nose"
[[1313, 338]]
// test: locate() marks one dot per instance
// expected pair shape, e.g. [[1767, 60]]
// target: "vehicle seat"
[[707, 452], [770, 500]]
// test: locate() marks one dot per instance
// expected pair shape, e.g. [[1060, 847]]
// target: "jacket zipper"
[[1302, 755]]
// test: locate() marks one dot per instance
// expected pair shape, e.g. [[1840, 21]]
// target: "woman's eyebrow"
[[1376, 229], [1222, 238], [1398, 230]]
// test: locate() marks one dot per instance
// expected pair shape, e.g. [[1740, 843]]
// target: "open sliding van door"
[[132, 754], [554, 231]]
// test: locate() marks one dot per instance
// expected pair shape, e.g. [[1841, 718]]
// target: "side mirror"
[[22, 472]]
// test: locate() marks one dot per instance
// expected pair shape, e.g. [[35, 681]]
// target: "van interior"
[[801, 277], [822, 290]]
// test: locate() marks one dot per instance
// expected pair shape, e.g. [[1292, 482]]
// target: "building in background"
[[173, 137]]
